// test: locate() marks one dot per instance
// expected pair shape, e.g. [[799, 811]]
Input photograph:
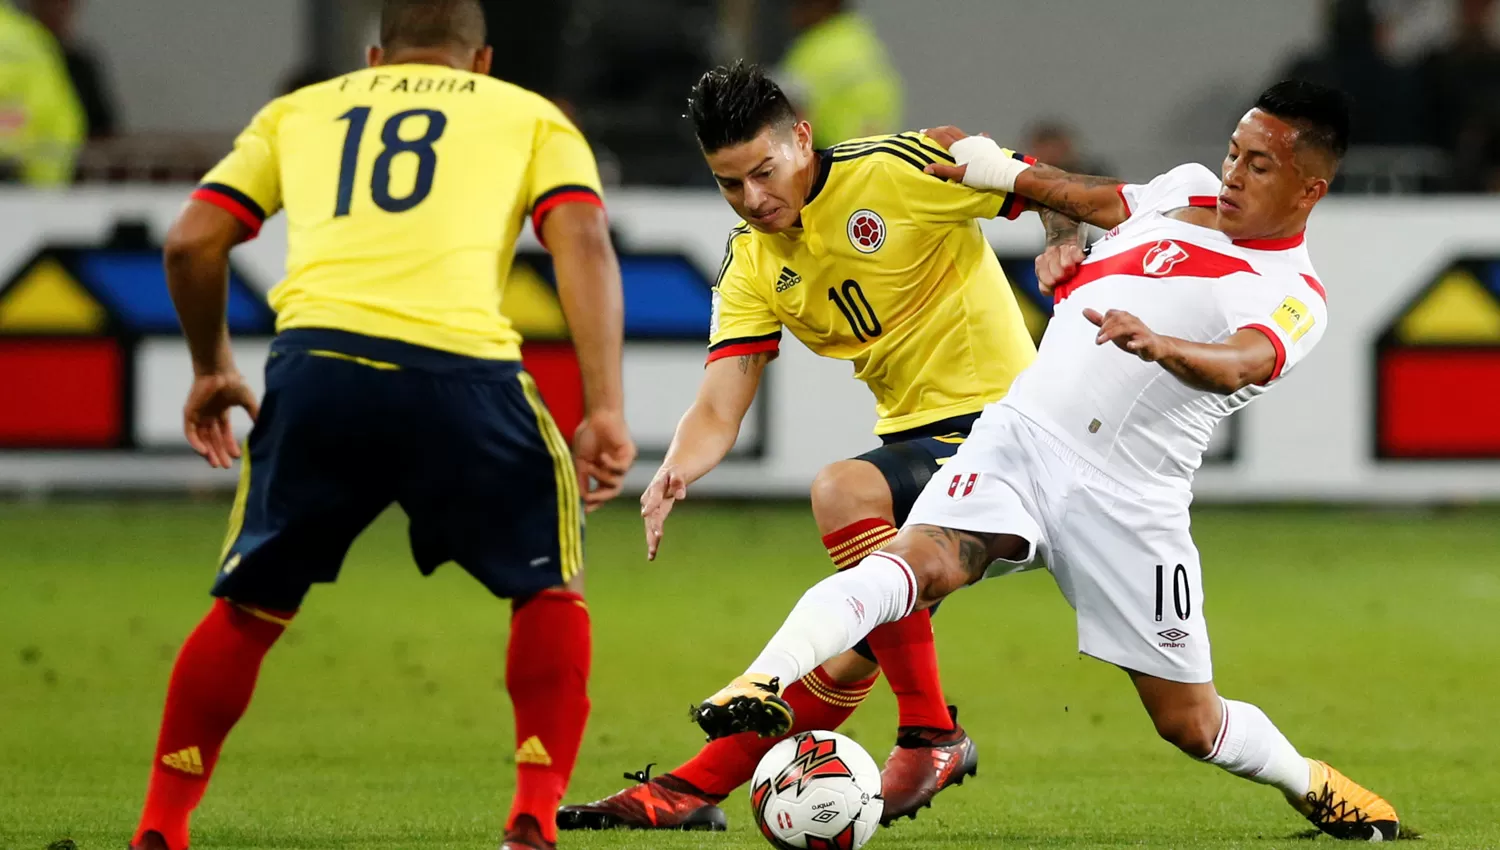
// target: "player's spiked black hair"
[[432, 23], [732, 104], [1321, 113]]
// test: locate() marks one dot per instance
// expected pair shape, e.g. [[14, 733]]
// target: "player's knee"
[[847, 491], [935, 567], [1192, 730]]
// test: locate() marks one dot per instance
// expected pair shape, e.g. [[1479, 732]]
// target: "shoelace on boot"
[[1326, 809]]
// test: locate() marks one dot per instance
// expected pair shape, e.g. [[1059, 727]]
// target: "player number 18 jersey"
[[404, 187]]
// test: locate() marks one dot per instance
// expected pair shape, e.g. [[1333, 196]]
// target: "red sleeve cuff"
[[1124, 201], [553, 198], [745, 345], [1277, 344], [234, 202]]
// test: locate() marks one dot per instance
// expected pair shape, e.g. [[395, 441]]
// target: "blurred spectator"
[[1055, 143], [837, 72], [1388, 105], [84, 67], [41, 123], [1463, 88]]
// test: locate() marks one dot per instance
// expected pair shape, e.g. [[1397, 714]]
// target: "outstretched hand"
[[665, 490], [1129, 334]]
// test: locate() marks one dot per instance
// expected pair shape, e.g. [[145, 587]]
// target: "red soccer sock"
[[818, 703], [211, 685], [547, 674], [905, 649], [908, 656]]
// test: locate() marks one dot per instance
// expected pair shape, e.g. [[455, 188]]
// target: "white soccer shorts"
[[1121, 555]]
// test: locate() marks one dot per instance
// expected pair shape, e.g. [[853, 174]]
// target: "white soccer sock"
[[836, 613], [1251, 746]]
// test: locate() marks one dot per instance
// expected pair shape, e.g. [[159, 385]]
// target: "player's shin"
[[546, 673], [837, 613], [904, 649], [1250, 745], [212, 682]]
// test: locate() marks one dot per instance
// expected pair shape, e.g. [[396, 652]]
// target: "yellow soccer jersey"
[[890, 271], [405, 187]]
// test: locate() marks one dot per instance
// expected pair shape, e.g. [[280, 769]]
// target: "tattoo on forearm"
[[1061, 230], [1069, 193]]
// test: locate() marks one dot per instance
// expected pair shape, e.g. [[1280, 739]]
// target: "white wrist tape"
[[989, 168]]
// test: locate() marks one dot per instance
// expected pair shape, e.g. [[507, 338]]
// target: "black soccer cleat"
[[751, 703]]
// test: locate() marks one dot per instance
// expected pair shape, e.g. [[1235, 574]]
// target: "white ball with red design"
[[817, 791]]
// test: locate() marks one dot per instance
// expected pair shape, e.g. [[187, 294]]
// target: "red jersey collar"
[[1281, 244]]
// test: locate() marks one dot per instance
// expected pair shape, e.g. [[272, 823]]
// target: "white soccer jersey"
[[1131, 418]]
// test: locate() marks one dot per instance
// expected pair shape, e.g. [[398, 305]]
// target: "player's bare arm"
[[588, 284], [704, 436], [1064, 252], [1081, 197], [981, 164], [1246, 358], [197, 268]]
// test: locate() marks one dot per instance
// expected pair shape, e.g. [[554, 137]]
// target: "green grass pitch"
[[381, 720]]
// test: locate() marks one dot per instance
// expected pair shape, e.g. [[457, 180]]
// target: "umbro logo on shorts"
[[1173, 638], [962, 485]]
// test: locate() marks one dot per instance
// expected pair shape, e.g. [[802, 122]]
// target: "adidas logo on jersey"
[[188, 760], [531, 751], [787, 280]]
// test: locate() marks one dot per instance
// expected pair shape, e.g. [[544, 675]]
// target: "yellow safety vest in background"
[[41, 120], [843, 82]]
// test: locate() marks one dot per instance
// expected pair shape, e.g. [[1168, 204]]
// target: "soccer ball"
[[817, 791]]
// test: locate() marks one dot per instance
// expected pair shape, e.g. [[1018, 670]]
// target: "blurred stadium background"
[[1375, 452]]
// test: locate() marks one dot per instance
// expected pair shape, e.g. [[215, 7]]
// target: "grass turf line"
[[381, 720]]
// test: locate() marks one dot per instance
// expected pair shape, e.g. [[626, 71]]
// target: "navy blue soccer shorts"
[[351, 424], [908, 460]]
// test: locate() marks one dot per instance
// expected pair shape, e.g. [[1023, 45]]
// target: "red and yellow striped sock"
[[905, 649], [850, 544], [818, 702]]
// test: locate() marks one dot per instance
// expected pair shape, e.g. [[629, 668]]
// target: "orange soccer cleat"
[[1344, 809]]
